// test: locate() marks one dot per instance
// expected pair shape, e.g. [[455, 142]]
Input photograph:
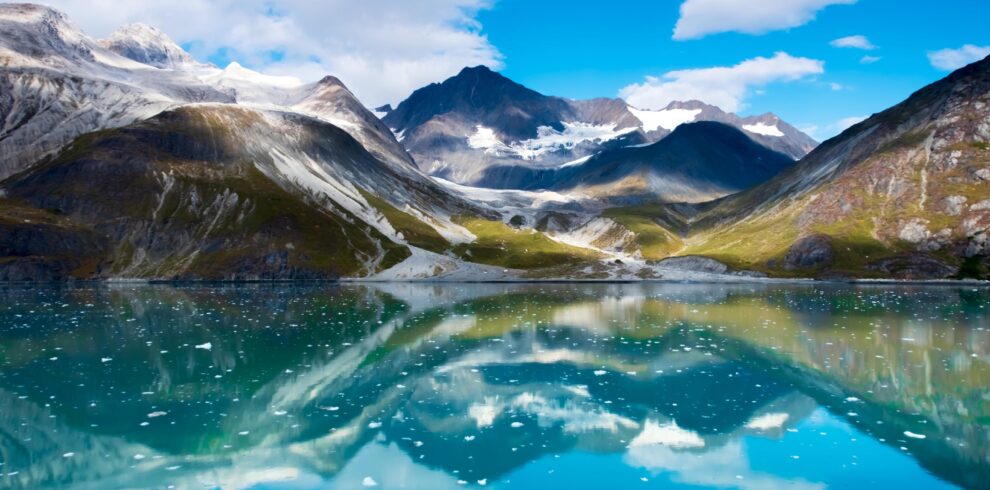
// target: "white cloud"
[[724, 86], [846, 123], [950, 59], [700, 18], [867, 60], [857, 41], [836, 86], [382, 49]]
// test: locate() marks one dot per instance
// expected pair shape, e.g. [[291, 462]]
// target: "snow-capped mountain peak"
[[235, 71], [148, 45], [34, 33]]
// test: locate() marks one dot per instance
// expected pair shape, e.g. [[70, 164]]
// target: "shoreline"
[[734, 280]]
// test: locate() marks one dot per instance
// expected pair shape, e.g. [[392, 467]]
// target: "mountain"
[[120, 169], [697, 162], [147, 45], [905, 193], [56, 84], [125, 158], [218, 191], [479, 119], [195, 172]]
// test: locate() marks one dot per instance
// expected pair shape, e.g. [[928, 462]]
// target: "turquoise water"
[[494, 386]]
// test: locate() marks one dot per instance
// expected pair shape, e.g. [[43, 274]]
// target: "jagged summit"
[[478, 94], [148, 45]]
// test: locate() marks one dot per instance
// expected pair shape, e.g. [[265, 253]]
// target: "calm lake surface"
[[495, 386]]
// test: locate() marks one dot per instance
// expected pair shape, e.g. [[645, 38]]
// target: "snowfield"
[[548, 139], [667, 119], [764, 129]]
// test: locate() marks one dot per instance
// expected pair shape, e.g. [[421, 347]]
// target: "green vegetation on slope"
[[655, 241], [500, 245]]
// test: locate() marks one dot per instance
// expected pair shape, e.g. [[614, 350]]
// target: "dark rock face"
[[47, 251], [810, 251], [914, 266]]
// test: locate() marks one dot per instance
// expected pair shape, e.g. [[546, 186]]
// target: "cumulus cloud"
[[950, 59], [857, 41], [724, 86], [382, 49], [700, 18]]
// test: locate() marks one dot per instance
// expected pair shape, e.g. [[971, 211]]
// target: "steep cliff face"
[[905, 193]]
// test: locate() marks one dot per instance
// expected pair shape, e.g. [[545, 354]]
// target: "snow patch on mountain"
[[764, 129], [547, 139], [485, 139], [667, 119]]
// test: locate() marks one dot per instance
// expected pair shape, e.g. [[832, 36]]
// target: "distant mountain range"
[[477, 119], [126, 158]]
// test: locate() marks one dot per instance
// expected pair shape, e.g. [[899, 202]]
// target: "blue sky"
[[780, 49], [585, 49]]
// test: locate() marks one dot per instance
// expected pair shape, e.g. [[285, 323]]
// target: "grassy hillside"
[[501, 245]]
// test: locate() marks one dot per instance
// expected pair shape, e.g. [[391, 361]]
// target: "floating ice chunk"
[[600, 372], [106, 359], [157, 414], [369, 482], [374, 425], [244, 432], [468, 438], [516, 424], [914, 435], [206, 346], [483, 481], [280, 412], [68, 455]]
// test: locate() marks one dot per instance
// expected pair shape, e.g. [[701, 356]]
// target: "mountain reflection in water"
[[497, 385]]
